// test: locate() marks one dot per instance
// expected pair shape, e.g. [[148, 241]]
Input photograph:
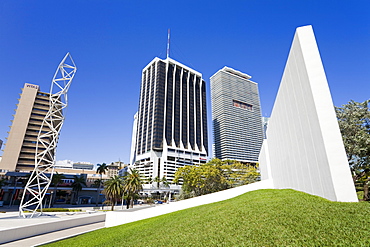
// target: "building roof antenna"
[[168, 43]]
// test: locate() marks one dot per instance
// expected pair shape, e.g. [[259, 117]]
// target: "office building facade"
[[236, 116], [171, 124], [83, 166], [20, 147]]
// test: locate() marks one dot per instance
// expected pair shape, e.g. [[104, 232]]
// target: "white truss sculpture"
[[47, 140]]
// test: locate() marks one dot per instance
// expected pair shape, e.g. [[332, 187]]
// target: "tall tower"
[[171, 120], [20, 148], [47, 139], [236, 116]]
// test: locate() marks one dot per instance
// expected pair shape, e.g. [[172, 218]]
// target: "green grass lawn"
[[258, 218]]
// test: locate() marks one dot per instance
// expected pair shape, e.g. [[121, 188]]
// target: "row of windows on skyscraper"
[[170, 128]]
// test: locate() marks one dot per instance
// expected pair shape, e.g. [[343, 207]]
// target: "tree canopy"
[[114, 189], [214, 176], [101, 168], [354, 124], [132, 185], [78, 183]]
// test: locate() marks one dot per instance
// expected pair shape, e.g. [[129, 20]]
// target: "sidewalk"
[[83, 207], [55, 236], [53, 226], [14, 228], [15, 208]]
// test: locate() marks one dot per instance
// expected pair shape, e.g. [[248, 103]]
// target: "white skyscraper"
[[171, 129]]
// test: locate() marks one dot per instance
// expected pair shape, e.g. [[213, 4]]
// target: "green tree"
[[78, 183], [101, 169], [97, 183], [202, 179], [157, 180], [133, 184], [354, 124], [214, 176], [238, 173], [190, 178], [362, 183], [113, 189], [149, 180], [56, 180], [166, 184]]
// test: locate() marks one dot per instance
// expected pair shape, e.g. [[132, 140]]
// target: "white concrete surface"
[[54, 236], [13, 227], [304, 148], [114, 218]]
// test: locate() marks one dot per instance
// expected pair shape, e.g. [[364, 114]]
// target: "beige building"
[[114, 168], [20, 147]]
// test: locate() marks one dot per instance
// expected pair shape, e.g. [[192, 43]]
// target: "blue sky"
[[112, 41]]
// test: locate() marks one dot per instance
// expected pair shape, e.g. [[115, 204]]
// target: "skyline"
[[112, 42]]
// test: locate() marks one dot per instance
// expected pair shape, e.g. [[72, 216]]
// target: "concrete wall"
[[114, 218], [304, 148]]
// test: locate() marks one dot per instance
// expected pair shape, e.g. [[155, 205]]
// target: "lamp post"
[[50, 199]]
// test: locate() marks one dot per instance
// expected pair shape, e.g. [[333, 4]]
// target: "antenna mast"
[[168, 43]]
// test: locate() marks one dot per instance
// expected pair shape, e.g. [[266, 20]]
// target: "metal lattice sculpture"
[[40, 179]]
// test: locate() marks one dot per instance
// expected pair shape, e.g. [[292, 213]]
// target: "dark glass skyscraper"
[[172, 119]]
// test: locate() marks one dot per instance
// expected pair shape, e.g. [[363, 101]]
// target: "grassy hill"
[[258, 218]]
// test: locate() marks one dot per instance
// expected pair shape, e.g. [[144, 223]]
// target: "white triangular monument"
[[304, 148]]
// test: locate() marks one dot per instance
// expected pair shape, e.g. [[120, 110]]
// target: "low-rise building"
[[83, 165]]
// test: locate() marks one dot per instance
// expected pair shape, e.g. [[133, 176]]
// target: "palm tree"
[[97, 183], [78, 183], [102, 168], [166, 184], [56, 180], [157, 180], [113, 188], [132, 185]]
